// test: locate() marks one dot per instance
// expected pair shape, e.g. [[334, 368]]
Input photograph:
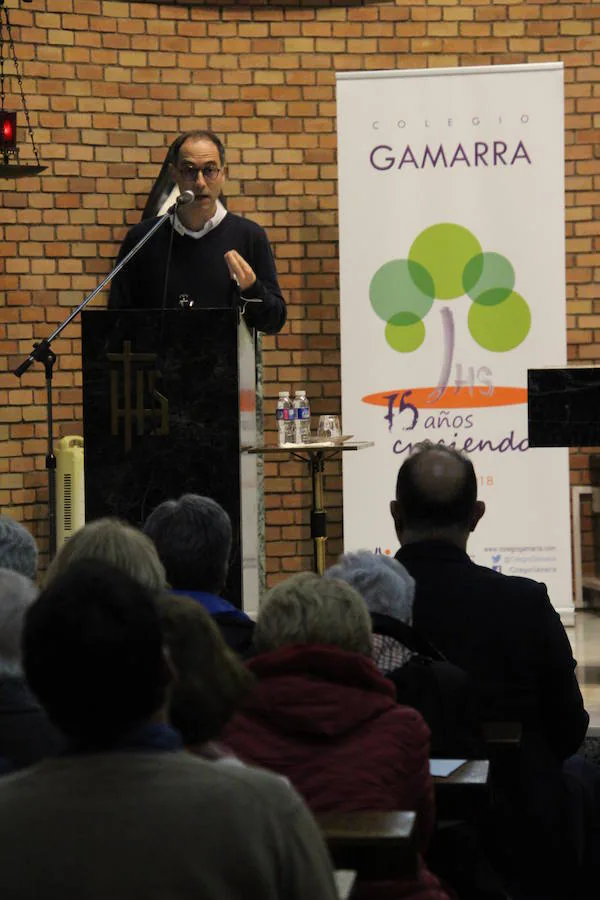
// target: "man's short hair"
[[211, 682], [92, 653], [199, 135], [309, 609], [17, 593], [18, 549], [436, 488], [193, 537]]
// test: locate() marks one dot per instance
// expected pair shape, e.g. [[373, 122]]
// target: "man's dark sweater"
[[504, 632], [198, 269]]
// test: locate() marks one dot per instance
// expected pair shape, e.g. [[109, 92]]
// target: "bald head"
[[436, 495]]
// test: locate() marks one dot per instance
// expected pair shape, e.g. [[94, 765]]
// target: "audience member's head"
[[210, 681], [382, 582], [18, 549], [93, 653], [388, 589], [436, 496], [309, 609], [17, 593], [193, 538], [116, 543]]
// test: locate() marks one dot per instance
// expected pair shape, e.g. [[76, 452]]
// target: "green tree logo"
[[446, 262]]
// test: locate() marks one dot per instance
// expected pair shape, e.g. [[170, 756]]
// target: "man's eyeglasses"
[[209, 172]]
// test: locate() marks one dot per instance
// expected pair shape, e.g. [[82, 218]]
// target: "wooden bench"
[[473, 773], [376, 845], [502, 735], [464, 794]]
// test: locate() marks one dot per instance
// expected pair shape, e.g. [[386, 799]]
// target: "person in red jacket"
[[322, 715]]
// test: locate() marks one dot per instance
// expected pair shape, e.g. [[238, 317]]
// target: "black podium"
[[563, 407], [169, 398]]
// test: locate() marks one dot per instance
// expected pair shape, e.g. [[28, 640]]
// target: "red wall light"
[[8, 130]]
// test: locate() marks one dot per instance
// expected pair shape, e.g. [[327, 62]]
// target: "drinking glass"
[[329, 428]]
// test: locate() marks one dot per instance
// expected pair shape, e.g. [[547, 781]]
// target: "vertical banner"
[[451, 185]]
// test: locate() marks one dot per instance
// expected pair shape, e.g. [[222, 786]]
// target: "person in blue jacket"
[[193, 536]]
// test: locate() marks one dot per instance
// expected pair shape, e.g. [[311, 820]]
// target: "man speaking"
[[207, 257]]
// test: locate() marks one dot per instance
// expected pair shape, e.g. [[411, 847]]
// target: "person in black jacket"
[[207, 256], [505, 633], [501, 629]]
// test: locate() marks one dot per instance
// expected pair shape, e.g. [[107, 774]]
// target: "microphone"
[[182, 200], [185, 198]]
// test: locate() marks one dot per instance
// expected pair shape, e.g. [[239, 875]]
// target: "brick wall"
[[109, 84]]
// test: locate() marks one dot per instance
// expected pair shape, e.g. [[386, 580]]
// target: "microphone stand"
[[43, 353]]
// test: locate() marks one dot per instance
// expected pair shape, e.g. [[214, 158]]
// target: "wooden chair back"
[[376, 845]]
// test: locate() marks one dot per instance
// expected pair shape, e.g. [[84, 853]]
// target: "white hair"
[[18, 549], [386, 588], [382, 582], [17, 593], [309, 609], [116, 543]]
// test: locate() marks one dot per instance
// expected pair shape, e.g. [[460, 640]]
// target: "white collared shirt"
[[208, 226]]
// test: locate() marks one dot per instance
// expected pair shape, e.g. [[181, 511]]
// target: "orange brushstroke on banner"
[[452, 398]]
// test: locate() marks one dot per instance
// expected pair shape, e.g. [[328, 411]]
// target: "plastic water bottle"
[[302, 424], [285, 419]]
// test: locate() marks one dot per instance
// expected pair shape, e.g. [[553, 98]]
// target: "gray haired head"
[[18, 549], [193, 536], [309, 609], [383, 583], [17, 593]]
